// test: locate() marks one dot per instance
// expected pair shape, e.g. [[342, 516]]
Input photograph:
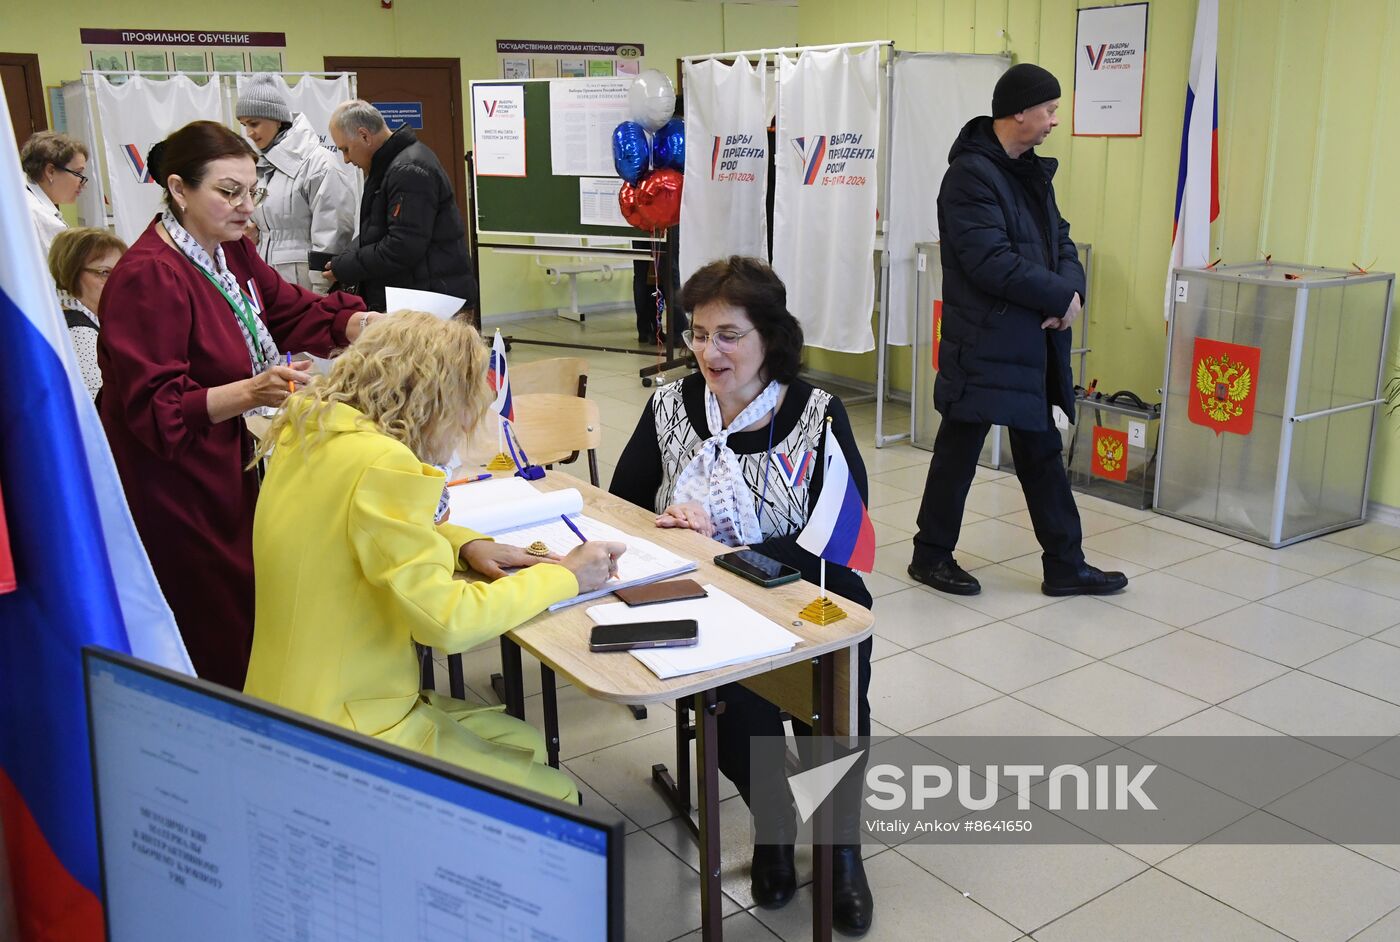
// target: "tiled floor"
[[1213, 636]]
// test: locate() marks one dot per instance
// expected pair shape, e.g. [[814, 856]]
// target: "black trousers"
[[644, 302], [1043, 481], [747, 714]]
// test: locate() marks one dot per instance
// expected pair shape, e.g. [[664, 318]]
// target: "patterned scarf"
[[713, 477], [262, 351]]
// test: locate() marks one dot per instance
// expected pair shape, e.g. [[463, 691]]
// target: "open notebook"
[[512, 511]]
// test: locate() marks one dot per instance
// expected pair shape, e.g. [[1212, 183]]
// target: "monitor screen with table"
[[223, 816]]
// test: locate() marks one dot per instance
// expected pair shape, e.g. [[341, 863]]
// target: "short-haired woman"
[[707, 455], [55, 168], [352, 570], [310, 205], [81, 261], [194, 325]]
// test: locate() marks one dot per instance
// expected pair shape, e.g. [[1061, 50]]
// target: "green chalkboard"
[[539, 202]]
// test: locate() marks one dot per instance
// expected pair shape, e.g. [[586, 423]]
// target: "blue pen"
[[570, 524], [469, 480], [291, 387]]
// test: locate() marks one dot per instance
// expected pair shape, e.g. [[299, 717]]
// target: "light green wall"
[[449, 28], [1308, 92]]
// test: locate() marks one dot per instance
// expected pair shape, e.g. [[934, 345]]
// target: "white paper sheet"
[[410, 299], [498, 129], [730, 633], [597, 201], [500, 504], [582, 116]]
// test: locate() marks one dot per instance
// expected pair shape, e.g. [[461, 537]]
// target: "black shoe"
[[1086, 580], [945, 576], [773, 880], [852, 906]]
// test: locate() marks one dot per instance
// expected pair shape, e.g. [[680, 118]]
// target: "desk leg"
[[513, 694], [707, 749], [551, 714], [676, 790], [456, 682], [824, 727]]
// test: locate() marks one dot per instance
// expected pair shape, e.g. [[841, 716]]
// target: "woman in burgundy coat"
[[193, 325]]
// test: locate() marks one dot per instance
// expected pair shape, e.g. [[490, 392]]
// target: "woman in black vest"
[[80, 261]]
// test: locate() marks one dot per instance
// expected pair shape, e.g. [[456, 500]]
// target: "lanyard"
[[247, 317]]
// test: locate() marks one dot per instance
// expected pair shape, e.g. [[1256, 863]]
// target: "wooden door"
[[24, 91], [432, 87]]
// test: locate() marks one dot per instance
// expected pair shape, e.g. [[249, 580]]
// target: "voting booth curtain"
[[935, 94], [723, 204], [134, 116], [136, 111]]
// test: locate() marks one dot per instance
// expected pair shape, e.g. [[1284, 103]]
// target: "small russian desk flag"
[[839, 529]]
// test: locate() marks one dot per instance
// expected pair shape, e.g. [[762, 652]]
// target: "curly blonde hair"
[[419, 380]]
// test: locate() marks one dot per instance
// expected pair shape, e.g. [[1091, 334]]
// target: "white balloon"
[[652, 99]]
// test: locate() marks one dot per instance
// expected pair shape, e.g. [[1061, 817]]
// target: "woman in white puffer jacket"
[[311, 201]]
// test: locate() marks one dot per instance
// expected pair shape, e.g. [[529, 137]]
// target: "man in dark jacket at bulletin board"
[[411, 233], [1012, 286]]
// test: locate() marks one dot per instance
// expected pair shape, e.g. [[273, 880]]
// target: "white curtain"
[[825, 197], [134, 116], [92, 205], [723, 208], [935, 94]]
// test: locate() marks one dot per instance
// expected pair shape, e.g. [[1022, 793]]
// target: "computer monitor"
[[222, 817]]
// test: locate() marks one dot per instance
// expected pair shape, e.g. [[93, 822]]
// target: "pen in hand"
[[612, 560], [291, 386]]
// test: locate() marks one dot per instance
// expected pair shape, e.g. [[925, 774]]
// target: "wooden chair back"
[[563, 376], [554, 428]]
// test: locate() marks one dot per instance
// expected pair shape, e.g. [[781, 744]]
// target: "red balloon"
[[627, 201], [659, 198]]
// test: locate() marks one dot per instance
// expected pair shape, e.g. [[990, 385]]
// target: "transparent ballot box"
[[996, 451], [1273, 380], [1113, 450]]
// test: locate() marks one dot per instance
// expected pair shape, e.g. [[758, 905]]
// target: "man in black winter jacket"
[[1012, 286], [411, 233]]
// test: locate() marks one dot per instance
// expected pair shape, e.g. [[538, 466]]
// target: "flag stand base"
[[501, 462], [822, 611]]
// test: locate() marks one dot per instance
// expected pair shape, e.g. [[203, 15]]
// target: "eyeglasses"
[[103, 273], [724, 340], [238, 194], [82, 178]]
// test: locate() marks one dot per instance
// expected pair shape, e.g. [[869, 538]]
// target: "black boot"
[[852, 906], [774, 876]]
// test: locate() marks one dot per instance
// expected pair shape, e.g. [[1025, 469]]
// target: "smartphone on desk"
[[758, 568], [680, 633]]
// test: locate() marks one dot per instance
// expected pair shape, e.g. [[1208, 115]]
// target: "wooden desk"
[[814, 681]]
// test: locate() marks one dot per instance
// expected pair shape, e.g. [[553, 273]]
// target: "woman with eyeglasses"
[[198, 331], [735, 452], [80, 261], [55, 165]]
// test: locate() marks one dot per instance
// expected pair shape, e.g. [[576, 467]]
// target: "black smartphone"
[[756, 567], [316, 261], [681, 633]]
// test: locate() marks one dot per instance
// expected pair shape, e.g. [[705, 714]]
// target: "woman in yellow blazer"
[[351, 569]]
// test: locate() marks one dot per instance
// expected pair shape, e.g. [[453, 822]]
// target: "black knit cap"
[[1023, 86]]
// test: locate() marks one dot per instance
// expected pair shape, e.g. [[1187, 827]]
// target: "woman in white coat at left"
[[310, 205], [55, 166]]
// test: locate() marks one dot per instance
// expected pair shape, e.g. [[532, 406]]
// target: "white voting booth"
[[862, 138], [120, 115]]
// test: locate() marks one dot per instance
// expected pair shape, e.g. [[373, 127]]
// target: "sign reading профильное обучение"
[[182, 50], [1153, 789]]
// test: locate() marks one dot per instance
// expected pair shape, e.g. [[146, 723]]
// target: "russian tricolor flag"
[[81, 577], [839, 529], [499, 378], [1198, 178]]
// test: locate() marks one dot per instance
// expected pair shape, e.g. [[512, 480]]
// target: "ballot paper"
[[512, 511], [409, 299], [730, 633]]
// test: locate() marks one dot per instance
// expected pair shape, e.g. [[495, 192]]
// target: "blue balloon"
[[631, 152], [668, 149]]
